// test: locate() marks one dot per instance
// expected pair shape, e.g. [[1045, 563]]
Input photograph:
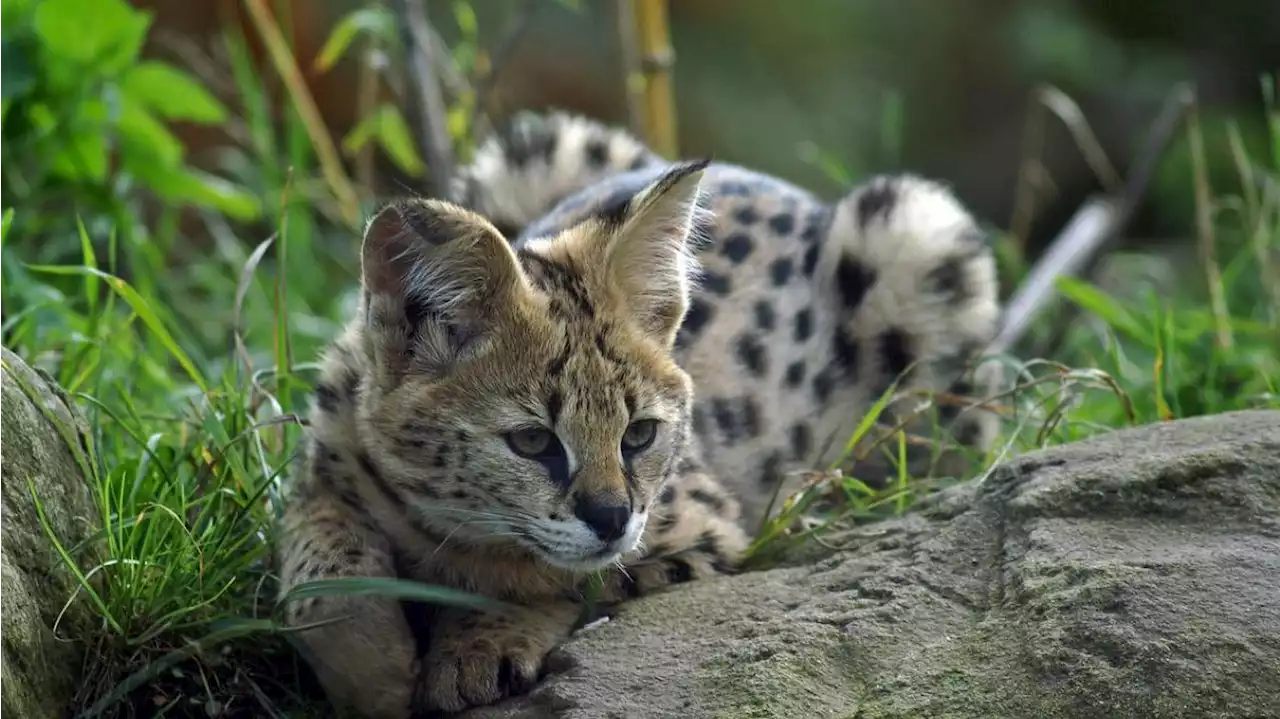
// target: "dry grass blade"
[[326, 152], [1204, 232], [242, 289]]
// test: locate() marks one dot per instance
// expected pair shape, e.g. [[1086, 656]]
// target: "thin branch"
[[1092, 233], [501, 54], [436, 145], [632, 77]]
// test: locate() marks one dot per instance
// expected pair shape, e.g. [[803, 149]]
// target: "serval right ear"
[[435, 276]]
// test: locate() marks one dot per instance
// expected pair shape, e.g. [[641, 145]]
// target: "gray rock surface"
[[37, 669], [1136, 574]]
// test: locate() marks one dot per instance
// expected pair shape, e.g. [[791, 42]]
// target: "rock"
[[1136, 574], [38, 670]]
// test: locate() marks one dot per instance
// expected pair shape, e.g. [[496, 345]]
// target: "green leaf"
[[403, 589], [104, 34], [141, 308], [172, 93], [18, 72], [185, 184], [5, 224], [387, 126], [145, 141], [374, 20], [1107, 308]]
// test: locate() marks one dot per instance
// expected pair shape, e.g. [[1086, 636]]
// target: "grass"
[[192, 365]]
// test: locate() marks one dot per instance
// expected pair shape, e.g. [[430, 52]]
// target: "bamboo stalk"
[[326, 151], [656, 59]]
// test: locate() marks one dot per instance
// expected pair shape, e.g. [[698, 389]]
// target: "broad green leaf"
[[185, 184], [172, 93], [4, 225], [404, 589], [105, 34], [393, 135], [82, 157], [145, 141], [386, 126], [375, 20]]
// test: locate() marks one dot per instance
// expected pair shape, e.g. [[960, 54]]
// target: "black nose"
[[608, 521]]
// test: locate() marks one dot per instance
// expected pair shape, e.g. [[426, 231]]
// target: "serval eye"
[[535, 443], [639, 435]]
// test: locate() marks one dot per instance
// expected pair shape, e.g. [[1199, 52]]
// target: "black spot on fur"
[[597, 153], [640, 161], [801, 441], [699, 420], [895, 353], [947, 280], [668, 495], [780, 271], [815, 225], [716, 283], [746, 215], [678, 571], [845, 350], [766, 318], [823, 385], [771, 471], [750, 417], [752, 354], [803, 326], [783, 223], [795, 373], [707, 544], [878, 199], [734, 189], [810, 260], [737, 248], [853, 280], [698, 315], [726, 419], [714, 501]]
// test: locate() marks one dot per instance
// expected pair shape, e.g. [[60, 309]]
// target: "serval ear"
[[436, 278], [650, 254]]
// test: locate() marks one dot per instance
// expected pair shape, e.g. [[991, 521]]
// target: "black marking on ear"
[[327, 397], [853, 281], [614, 209]]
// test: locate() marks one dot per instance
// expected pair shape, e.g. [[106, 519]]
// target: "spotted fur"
[[618, 283]]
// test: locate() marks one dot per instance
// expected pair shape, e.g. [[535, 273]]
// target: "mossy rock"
[[1131, 575], [42, 438]]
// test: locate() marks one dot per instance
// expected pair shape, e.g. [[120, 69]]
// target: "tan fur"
[[627, 283]]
